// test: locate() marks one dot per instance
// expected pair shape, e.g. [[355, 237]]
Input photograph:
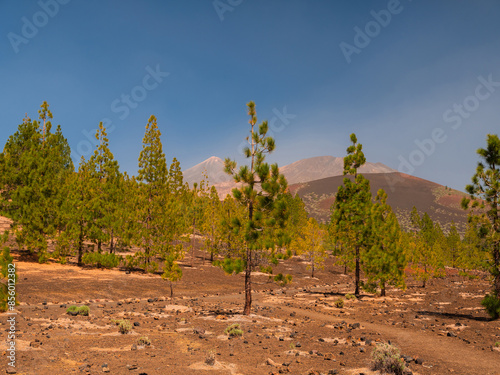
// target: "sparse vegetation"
[[102, 260], [234, 330], [339, 303], [350, 296], [78, 310], [387, 359], [492, 305], [124, 325], [143, 341], [210, 358]]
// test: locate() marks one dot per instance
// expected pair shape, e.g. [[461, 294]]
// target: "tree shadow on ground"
[[455, 316]]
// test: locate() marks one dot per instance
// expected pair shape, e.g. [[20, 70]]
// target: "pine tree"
[[152, 231], [212, 227], [262, 185], [77, 212], [107, 195], [311, 244], [385, 260], [454, 244], [351, 208], [484, 192], [427, 256], [33, 168]]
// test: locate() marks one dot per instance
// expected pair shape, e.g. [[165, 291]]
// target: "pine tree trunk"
[[80, 245], [171, 290], [382, 289], [357, 276], [192, 250], [112, 244], [496, 265], [248, 284]]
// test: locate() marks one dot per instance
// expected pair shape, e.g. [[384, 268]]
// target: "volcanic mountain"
[[325, 166], [317, 179], [301, 171], [213, 168], [403, 191]]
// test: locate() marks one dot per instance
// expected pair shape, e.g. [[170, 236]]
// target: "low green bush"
[[234, 330], [124, 326], [102, 260], [78, 310], [492, 305], [339, 303], [143, 341], [387, 359]]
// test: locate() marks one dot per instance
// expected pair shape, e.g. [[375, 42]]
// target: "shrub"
[[75, 310], [124, 326], [210, 359], [234, 330], [339, 303], [104, 260], [350, 296], [84, 310], [283, 279], [492, 305], [497, 344], [72, 309], [143, 341], [387, 359]]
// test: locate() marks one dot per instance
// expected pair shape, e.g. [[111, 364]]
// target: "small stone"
[[270, 362], [419, 361], [134, 347], [136, 324]]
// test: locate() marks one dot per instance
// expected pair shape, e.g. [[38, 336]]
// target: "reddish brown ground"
[[297, 327]]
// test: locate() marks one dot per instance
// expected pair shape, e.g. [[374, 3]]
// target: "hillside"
[[404, 192], [303, 170], [325, 166]]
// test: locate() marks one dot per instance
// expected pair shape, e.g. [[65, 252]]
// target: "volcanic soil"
[[294, 329]]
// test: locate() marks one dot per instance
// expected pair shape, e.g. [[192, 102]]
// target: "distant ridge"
[[319, 167], [303, 170]]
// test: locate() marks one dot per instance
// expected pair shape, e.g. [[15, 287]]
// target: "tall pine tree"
[[262, 185], [351, 209]]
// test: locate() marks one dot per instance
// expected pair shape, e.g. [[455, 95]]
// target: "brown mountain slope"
[[304, 170], [404, 192]]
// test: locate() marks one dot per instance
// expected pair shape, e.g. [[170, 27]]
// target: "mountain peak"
[[310, 169], [213, 167]]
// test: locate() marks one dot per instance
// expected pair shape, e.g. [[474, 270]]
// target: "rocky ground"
[[296, 329]]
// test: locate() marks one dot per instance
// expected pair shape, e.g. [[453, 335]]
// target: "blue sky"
[[419, 83]]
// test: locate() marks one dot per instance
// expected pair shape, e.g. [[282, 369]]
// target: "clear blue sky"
[[392, 72]]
